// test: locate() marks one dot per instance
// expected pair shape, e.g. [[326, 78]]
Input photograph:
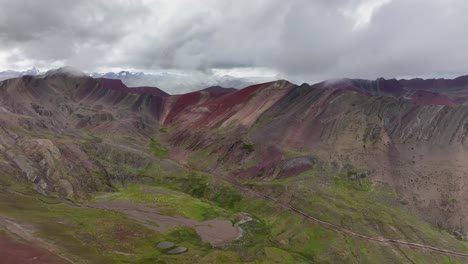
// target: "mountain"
[[118, 85], [431, 91], [14, 74], [175, 83], [219, 90], [169, 82], [343, 171]]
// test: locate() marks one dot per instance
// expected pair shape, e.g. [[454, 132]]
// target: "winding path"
[[330, 226], [344, 231]]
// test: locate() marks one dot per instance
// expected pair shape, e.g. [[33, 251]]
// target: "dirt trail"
[[36, 251], [348, 232], [342, 230], [211, 234], [13, 251]]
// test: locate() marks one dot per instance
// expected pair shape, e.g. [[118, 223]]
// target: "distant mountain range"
[[9, 74], [431, 91], [169, 82], [176, 83]]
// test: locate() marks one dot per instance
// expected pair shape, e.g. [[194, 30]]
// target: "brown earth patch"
[[122, 234], [217, 232], [27, 248], [13, 251]]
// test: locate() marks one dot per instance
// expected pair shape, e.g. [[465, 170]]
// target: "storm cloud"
[[301, 40]]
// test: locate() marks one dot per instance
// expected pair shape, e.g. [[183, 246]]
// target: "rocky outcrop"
[[52, 130]]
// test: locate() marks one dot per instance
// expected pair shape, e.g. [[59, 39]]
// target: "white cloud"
[[362, 13], [300, 40], [248, 72]]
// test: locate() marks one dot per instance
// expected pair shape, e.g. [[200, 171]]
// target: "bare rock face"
[[40, 161], [295, 165], [27, 167]]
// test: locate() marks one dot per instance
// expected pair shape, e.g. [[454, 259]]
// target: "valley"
[[95, 172]]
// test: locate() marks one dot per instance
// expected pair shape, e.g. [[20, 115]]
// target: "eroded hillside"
[[128, 159]]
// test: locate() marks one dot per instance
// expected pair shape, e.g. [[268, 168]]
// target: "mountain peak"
[[118, 85], [66, 70], [219, 90]]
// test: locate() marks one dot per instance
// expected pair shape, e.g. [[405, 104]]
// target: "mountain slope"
[[417, 149], [372, 164]]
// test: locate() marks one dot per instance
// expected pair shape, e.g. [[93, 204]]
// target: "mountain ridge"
[[75, 136]]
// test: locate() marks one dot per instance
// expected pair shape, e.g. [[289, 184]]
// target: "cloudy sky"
[[300, 40]]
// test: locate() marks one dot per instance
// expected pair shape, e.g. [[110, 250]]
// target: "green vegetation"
[[198, 185], [278, 255], [352, 179], [169, 202], [249, 148], [87, 233], [158, 149], [274, 235], [227, 197], [203, 158], [347, 197], [350, 201], [104, 236]]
